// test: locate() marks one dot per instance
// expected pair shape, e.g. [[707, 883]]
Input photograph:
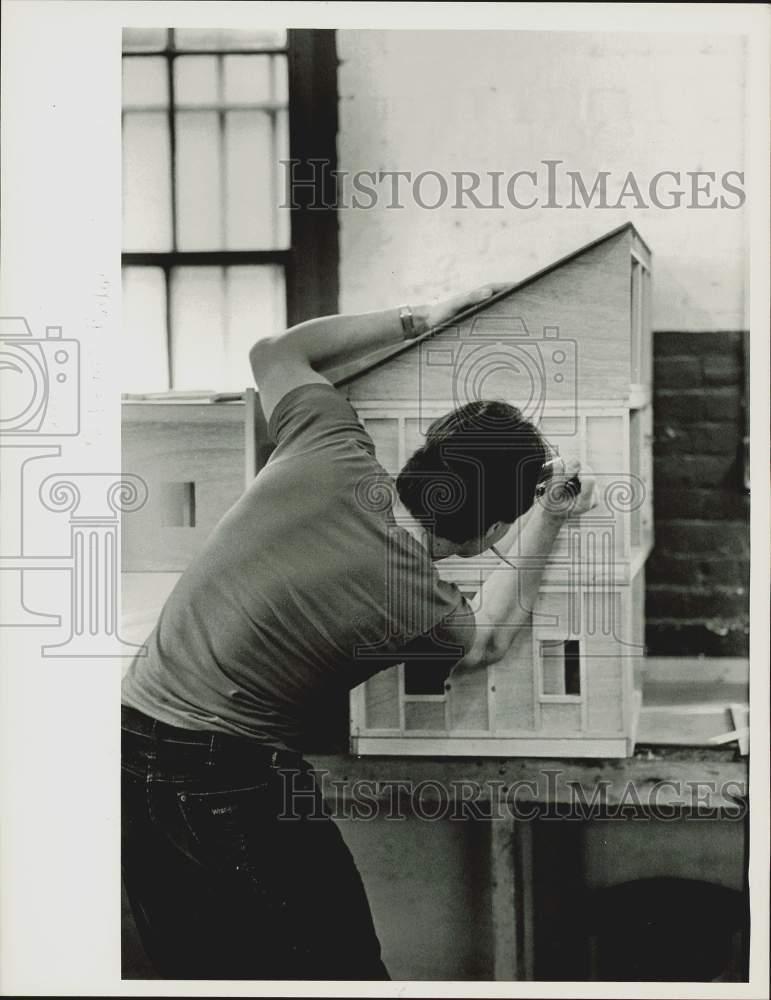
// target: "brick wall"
[[697, 581]]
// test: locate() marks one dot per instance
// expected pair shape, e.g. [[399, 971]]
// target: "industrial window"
[[213, 255]]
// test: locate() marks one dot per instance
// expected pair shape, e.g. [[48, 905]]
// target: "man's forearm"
[[334, 340], [506, 599]]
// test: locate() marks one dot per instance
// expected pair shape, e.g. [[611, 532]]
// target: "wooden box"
[[571, 346]]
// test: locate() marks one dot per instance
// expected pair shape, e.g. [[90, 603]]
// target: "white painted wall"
[[505, 101]]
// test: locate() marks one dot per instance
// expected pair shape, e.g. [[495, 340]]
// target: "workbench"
[[663, 780]]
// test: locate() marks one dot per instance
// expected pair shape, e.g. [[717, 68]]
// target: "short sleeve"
[[446, 640], [314, 415]]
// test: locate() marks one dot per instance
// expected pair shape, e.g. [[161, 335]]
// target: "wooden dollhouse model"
[[571, 347]]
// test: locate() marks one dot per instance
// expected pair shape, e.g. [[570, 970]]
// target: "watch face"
[[23, 386]]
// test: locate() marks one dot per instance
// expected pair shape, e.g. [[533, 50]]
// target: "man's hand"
[[570, 490], [433, 315]]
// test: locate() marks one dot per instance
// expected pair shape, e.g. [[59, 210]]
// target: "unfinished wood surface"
[[493, 746], [192, 459], [381, 700], [467, 702], [425, 716], [515, 698], [693, 725], [646, 474], [682, 777], [569, 679], [698, 672], [573, 322]]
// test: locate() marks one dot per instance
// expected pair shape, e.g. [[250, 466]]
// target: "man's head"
[[475, 474]]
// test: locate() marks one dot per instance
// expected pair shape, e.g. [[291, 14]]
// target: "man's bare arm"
[[506, 599], [297, 356]]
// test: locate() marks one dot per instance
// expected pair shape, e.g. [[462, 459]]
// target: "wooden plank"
[[684, 727], [499, 746], [181, 413], [696, 672], [380, 701]]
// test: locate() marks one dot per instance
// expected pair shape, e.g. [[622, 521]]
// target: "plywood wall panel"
[[514, 696], [560, 719], [467, 702], [381, 700], [604, 683], [424, 716], [210, 456]]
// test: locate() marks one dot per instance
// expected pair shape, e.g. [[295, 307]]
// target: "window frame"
[[311, 261]]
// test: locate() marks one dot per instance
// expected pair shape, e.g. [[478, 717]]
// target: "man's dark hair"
[[480, 464]]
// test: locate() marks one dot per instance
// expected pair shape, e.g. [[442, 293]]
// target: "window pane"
[[199, 180], [250, 184], [144, 364], [145, 82], [198, 327], [280, 79], [144, 39], [228, 38], [196, 80], [146, 181], [217, 314], [282, 178], [255, 309], [247, 79]]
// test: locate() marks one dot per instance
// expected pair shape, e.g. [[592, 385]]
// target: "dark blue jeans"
[[231, 865]]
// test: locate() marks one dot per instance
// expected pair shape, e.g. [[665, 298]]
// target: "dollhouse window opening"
[[560, 669]]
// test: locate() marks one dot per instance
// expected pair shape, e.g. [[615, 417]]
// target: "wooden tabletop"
[[703, 778]]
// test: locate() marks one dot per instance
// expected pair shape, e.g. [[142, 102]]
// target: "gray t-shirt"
[[305, 588]]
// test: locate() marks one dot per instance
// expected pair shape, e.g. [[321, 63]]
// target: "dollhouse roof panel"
[[582, 300]]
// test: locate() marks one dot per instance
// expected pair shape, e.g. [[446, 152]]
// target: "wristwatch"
[[408, 322]]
